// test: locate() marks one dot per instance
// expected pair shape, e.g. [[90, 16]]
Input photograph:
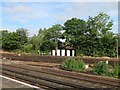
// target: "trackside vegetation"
[[101, 68], [72, 64]]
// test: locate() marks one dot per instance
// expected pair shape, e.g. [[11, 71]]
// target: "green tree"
[[108, 44], [40, 41], [28, 48], [23, 35], [10, 41], [33, 41], [93, 37], [54, 34], [75, 30], [99, 36], [41, 37]]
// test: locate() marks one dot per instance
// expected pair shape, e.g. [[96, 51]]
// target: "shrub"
[[79, 65], [116, 72], [101, 68], [28, 48], [68, 63], [72, 64]]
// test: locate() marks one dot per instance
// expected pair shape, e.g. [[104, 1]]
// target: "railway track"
[[57, 79], [40, 82], [34, 81]]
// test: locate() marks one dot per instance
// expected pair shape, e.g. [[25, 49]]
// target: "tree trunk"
[[56, 47], [56, 51]]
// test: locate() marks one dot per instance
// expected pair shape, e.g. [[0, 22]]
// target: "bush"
[[116, 72], [28, 48], [72, 64], [101, 68]]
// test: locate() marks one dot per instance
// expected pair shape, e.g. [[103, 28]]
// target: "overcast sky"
[[36, 15]]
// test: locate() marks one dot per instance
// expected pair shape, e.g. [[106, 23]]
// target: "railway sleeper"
[[36, 81], [64, 82], [113, 82], [71, 84]]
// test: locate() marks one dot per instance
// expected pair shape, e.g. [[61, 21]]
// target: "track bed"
[[57, 79]]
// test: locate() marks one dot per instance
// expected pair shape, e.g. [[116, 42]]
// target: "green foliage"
[[46, 39], [100, 41], [117, 38], [22, 35], [74, 32], [13, 40], [10, 41], [101, 68], [72, 64], [91, 38], [116, 71], [108, 44], [54, 34], [28, 48], [38, 40]]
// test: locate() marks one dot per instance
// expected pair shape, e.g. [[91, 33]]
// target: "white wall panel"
[[73, 52], [68, 52], [58, 52], [53, 52], [62, 52]]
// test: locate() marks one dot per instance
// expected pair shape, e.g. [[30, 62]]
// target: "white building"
[[63, 52]]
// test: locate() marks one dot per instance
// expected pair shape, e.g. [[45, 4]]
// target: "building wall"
[[64, 52]]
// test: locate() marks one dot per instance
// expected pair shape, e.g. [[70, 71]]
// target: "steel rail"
[[79, 76]]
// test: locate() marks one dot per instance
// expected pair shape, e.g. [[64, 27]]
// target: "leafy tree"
[[33, 41], [28, 48], [4, 33], [23, 35], [108, 44], [41, 37], [92, 37], [14, 40], [54, 34], [98, 34], [10, 41], [41, 41], [37, 40], [74, 32]]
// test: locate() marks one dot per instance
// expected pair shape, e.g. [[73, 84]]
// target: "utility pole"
[[117, 47]]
